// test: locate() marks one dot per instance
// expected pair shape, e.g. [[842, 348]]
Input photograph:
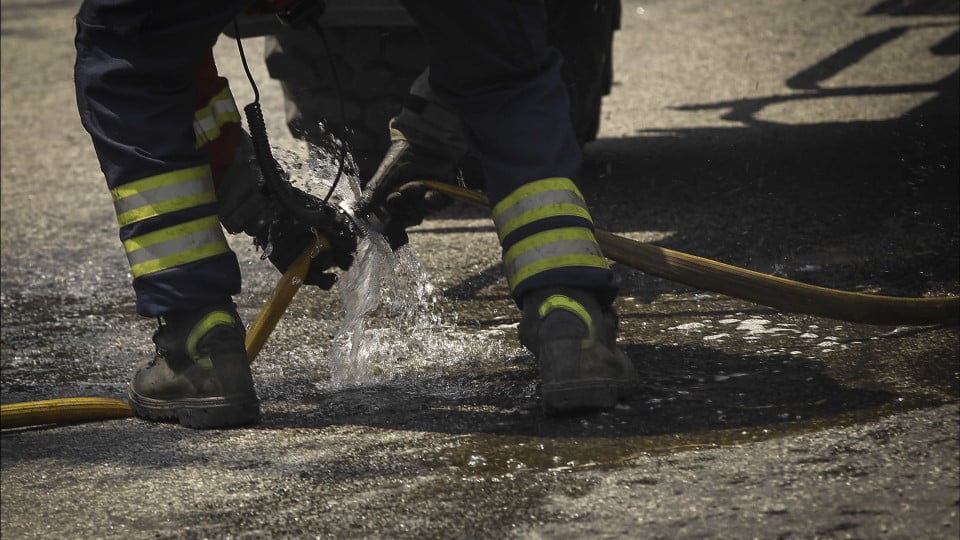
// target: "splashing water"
[[392, 327]]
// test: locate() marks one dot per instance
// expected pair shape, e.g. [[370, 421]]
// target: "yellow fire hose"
[[780, 293], [86, 409], [776, 292]]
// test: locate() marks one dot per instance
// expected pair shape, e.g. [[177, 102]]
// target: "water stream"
[[392, 326]]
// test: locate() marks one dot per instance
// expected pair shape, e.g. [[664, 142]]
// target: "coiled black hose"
[[304, 208]]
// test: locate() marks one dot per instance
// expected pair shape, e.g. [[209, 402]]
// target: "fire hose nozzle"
[[365, 219]]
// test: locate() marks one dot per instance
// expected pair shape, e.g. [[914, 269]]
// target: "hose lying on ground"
[[87, 409], [62, 411], [776, 292], [705, 274]]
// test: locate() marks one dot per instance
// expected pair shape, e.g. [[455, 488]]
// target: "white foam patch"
[[721, 378], [688, 326]]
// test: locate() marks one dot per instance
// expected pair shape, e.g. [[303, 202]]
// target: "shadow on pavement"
[[865, 205], [682, 390], [853, 205]]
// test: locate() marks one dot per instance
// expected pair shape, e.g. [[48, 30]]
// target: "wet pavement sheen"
[[816, 141]]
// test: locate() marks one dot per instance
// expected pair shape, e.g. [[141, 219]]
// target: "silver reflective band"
[[170, 192], [162, 194], [220, 110], [175, 246], [542, 199], [553, 249]]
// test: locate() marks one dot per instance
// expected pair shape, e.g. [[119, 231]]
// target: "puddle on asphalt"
[[715, 372], [731, 377], [492, 455], [754, 329]]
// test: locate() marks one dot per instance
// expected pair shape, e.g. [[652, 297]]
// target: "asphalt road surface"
[[815, 140]]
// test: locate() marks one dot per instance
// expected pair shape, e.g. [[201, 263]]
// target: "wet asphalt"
[[812, 140]]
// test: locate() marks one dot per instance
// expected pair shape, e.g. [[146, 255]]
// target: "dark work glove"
[[246, 205], [288, 236], [243, 203], [427, 143], [407, 207], [287, 239]]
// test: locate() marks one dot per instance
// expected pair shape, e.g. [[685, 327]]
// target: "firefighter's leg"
[[136, 69], [491, 62]]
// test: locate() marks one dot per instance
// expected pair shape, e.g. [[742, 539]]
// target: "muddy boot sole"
[[585, 395], [198, 413]]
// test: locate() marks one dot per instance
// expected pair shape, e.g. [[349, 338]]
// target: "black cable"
[[243, 60], [343, 113], [306, 209], [253, 109]]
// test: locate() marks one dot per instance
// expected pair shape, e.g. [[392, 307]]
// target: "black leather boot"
[[574, 340], [200, 375]]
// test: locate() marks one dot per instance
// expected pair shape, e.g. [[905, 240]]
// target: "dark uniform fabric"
[[136, 68], [490, 61], [135, 79]]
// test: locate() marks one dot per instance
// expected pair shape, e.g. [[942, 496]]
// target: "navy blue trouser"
[[135, 80], [490, 61], [135, 69]]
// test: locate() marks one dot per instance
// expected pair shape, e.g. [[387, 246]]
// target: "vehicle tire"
[[376, 66], [583, 32]]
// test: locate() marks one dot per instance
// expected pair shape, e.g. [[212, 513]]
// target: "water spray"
[[776, 292], [772, 291]]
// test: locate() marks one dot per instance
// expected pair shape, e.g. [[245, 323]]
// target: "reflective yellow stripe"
[[160, 180], [162, 194], [220, 110], [212, 319], [542, 212], [172, 233], [549, 251], [184, 257], [551, 243], [223, 103], [559, 301], [544, 198], [165, 207], [563, 261], [547, 198], [572, 246], [532, 188], [208, 129], [220, 104], [175, 246]]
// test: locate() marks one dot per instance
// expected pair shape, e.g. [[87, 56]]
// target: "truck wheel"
[[583, 32], [377, 65]]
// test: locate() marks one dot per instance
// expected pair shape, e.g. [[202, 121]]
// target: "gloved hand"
[[427, 143], [286, 238], [246, 205], [243, 203]]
